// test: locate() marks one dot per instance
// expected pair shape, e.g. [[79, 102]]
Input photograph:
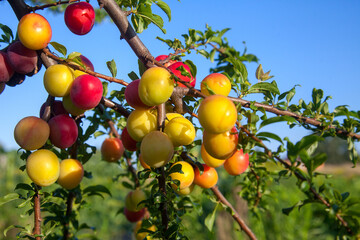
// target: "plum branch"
[[54, 4], [48, 53]]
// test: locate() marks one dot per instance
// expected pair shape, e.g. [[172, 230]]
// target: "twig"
[[234, 213], [48, 53], [41, 7]]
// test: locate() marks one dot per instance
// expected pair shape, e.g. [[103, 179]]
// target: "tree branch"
[[37, 213], [48, 53], [234, 213]]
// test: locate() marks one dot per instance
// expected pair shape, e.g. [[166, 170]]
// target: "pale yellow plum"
[[143, 235], [70, 107], [71, 173], [217, 114], [185, 177], [140, 123], [58, 79], [209, 160], [156, 149], [181, 131], [133, 199], [222, 145], [156, 86], [43, 167]]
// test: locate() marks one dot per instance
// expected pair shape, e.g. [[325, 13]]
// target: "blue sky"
[[312, 43]]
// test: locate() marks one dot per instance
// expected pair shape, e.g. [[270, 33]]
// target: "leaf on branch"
[[60, 48], [263, 87], [112, 67], [269, 135], [8, 198], [277, 119], [133, 76], [164, 7], [96, 189], [210, 219]]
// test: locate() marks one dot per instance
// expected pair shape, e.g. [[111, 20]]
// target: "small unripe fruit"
[[71, 173], [31, 133], [43, 167]]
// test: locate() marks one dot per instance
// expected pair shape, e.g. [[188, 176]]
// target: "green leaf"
[[192, 66], [112, 67], [60, 48], [164, 7], [95, 189], [144, 11], [142, 67], [12, 227], [133, 76], [24, 186], [98, 133], [306, 142], [269, 135], [210, 219], [259, 72], [262, 87], [8, 198], [74, 55], [277, 119]]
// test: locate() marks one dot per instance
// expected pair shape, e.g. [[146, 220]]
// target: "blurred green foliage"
[[104, 215]]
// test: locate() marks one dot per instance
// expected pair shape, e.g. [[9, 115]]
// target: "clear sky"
[[312, 43]]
